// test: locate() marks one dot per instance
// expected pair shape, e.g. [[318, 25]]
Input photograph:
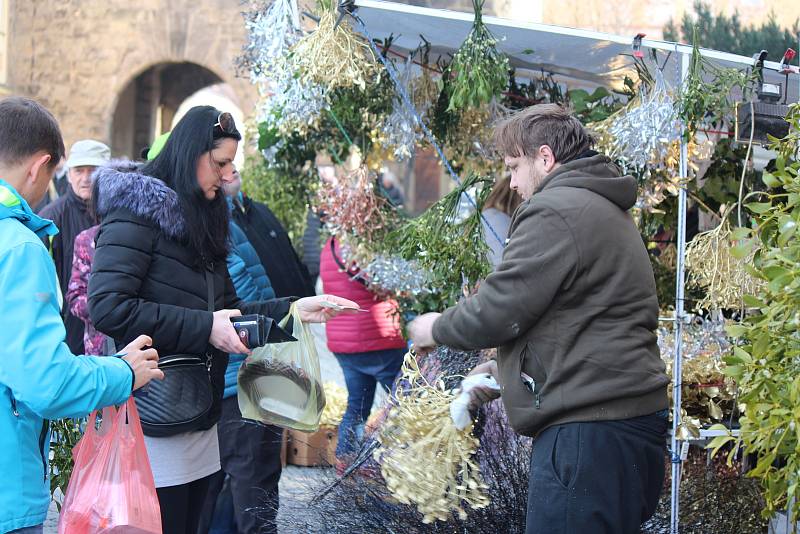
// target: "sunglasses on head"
[[225, 123]]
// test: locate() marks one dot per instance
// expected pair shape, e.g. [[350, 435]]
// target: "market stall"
[[660, 108]]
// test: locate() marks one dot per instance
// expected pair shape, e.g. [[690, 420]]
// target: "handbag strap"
[[343, 267], [210, 286]]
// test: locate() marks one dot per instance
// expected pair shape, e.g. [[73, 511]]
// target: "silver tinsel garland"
[[392, 274], [287, 103], [400, 128], [271, 32], [644, 134], [292, 105]]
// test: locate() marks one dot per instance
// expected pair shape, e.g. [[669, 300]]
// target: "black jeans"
[[181, 506], [251, 457], [602, 477]]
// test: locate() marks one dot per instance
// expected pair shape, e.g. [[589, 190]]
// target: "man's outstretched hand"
[[420, 332]]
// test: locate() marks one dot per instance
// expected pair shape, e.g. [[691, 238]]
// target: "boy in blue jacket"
[[39, 378]]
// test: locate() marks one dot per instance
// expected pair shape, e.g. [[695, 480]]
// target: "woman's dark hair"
[[196, 134]]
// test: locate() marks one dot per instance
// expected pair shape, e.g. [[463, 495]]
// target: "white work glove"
[[475, 390]]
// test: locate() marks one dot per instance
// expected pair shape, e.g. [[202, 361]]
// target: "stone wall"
[[78, 56], [4, 47]]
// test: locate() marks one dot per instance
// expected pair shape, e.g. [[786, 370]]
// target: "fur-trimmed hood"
[[121, 185]]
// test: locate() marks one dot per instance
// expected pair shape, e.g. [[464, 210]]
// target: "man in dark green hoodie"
[[572, 309]]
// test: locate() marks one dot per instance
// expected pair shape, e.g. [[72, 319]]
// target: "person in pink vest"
[[369, 346]]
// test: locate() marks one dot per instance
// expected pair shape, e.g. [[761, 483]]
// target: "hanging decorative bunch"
[[354, 119], [287, 103], [355, 213], [470, 144], [644, 132], [292, 106], [447, 241], [707, 394], [480, 69], [716, 263], [272, 29], [333, 55], [396, 276], [400, 128], [424, 89], [424, 92], [707, 97], [424, 459]]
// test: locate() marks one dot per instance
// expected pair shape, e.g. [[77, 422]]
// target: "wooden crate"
[[284, 446], [317, 448]]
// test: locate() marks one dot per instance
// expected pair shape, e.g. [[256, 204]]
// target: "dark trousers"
[[181, 505], [250, 455], [362, 372], [602, 477]]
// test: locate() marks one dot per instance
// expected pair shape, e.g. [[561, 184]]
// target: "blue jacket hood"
[[13, 206]]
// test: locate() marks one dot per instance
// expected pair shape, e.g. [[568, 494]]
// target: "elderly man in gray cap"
[[72, 215]]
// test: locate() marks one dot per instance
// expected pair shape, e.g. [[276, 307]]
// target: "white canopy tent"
[[582, 55], [582, 58]]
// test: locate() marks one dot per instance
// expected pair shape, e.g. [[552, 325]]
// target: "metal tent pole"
[[679, 322]]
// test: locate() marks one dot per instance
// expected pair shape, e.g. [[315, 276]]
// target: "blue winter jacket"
[[39, 378], [252, 285]]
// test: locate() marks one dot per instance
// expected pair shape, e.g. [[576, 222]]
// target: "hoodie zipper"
[[14, 406]]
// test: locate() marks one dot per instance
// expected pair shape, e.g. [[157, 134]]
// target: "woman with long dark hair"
[[160, 268]]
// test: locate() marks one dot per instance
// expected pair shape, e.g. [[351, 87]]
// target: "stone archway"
[[147, 104]]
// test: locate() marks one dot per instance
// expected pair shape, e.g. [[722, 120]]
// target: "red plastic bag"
[[111, 488]]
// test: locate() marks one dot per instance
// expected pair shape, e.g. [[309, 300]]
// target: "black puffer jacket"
[[145, 278]]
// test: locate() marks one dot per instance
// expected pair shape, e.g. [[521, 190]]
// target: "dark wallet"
[[252, 330]]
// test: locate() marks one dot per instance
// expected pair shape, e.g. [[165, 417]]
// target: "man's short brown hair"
[[543, 124], [26, 127]]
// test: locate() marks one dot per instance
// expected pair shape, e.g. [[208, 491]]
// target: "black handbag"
[[180, 402]]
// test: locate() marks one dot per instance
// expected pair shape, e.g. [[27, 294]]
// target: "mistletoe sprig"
[[447, 242], [706, 96], [765, 365], [481, 70]]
